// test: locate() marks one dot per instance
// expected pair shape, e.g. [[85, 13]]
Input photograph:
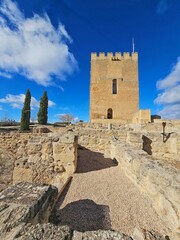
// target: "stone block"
[[22, 175]]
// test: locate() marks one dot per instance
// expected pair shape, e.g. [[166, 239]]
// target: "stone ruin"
[[30, 160]]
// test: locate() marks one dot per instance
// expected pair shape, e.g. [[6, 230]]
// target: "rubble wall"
[[49, 158], [25, 203], [159, 182]]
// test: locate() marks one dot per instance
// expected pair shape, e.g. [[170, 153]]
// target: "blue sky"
[[46, 45]]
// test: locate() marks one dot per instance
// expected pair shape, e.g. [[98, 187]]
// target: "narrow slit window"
[[114, 86]]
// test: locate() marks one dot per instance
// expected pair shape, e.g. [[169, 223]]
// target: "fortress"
[[114, 89], [108, 179]]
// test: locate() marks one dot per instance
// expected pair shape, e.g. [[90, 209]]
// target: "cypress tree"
[[25, 116], [43, 110]]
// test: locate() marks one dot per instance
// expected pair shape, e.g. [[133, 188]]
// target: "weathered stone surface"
[[23, 203], [44, 231], [38, 158], [39, 130], [6, 168], [159, 182], [21, 174], [141, 234], [100, 235]]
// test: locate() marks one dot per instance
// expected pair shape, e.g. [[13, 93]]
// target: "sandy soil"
[[101, 196]]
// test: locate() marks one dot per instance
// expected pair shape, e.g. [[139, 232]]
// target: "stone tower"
[[114, 90]]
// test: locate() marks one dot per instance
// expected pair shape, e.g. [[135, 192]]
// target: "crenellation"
[[102, 55], [135, 56], [126, 55], [118, 55], [110, 55], [93, 55], [114, 56]]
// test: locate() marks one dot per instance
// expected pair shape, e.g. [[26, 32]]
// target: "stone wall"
[[159, 182], [46, 158], [40, 158], [9, 143], [142, 116], [98, 139], [24, 203], [154, 144], [143, 136]]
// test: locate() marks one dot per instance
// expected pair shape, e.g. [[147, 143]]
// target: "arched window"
[[114, 86], [109, 113]]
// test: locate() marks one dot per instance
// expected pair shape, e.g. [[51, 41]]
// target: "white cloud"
[[171, 79], [51, 103], [170, 111], [16, 101], [6, 75], [162, 6], [33, 47], [169, 97]]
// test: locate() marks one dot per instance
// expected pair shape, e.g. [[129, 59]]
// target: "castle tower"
[[114, 90]]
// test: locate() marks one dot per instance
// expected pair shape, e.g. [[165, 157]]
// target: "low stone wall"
[[24, 203], [160, 183], [9, 144], [154, 144], [98, 139], [46, 158], [49, 158], [142, 116]]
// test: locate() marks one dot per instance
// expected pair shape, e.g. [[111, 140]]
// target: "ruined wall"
[[51, 158], [143, 136], [44, 158], [159, 182], [98, 139], [154, 144], [9, 143], [24, 203], [142, 116], [103, 70]]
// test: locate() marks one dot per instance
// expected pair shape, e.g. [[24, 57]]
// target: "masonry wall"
[[158, 181], [49, 158], [46, 158], [103, 70], [25, 203], [9, 144]]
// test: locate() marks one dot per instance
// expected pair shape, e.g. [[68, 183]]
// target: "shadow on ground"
[[84, 215], [92, 161]]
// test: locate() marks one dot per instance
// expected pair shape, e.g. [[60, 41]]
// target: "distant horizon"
[[46, 46]]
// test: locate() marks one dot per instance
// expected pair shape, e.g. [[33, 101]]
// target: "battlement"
[[117, 56]]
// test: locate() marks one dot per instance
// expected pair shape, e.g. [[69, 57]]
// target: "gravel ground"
[[101, 196]]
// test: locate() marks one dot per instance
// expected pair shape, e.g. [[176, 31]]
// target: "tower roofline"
[[116, 55]]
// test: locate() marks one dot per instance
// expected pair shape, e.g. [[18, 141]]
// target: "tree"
[[25, 116], [43, 110], [66, 117]]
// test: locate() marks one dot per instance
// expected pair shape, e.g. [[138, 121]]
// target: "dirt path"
[[101, 196]]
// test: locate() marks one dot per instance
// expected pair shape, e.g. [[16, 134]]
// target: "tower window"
[[114, 86]]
